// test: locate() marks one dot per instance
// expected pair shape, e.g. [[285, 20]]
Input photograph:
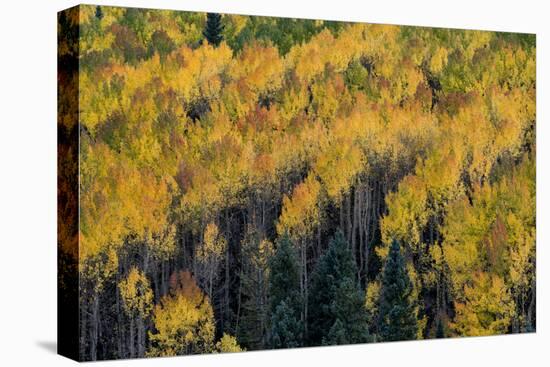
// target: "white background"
[[28, 182]]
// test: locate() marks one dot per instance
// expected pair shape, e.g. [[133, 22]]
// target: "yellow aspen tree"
[[137, 301]]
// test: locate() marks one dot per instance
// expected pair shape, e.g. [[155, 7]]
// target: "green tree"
[[397, 318], [286, 303], [98, 12], [287, 329], [214, 28], [337, 334], [284, 279], [337, 315], [255, 309]]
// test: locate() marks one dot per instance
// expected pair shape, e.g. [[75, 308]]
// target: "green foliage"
[[284, 33], [337, 312], [286, 328], [256, 309], [284, 280], [98, 12], [214, 28], [284, 289], [337, 335], [397, 312]]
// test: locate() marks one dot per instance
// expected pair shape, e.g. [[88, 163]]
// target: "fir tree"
[[287, 329], [337, 334], [397, 313], [214, 28], [255, 309], [337, 314], [98, 12], [286, 304], [284, 279]]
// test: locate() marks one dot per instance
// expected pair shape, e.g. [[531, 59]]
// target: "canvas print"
[[233, 183]]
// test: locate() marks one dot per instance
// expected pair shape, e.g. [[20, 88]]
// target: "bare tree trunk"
[[368, 214], [354, 225], [348, 217], [532, 306], [318, 249], [140, 337], [94, 329], [120, 322], [342, 215], [83, 327], [131, 338], [305, 290], [227, 273], [239, 304], [360, 193]]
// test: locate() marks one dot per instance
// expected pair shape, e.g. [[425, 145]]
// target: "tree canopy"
[[255, 182]]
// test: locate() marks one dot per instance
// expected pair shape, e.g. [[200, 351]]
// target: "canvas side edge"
[[68, 331]]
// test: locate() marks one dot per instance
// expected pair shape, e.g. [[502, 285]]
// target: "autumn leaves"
[[198, 163]]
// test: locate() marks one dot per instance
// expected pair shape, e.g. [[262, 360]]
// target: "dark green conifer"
[[287, 329], [337, 313], [98, 12], [214, 28], [397, 313], [286, 303]]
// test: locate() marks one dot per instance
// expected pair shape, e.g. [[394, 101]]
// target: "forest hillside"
[[251, 183]]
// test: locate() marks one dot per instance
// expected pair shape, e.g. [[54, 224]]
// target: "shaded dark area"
[[67, 182]]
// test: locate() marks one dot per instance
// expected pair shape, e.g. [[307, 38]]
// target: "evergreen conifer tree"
[[255, 314], [286, 303], [337, 314], [214, 28], [98, 12], [397, 318], [287, 329]]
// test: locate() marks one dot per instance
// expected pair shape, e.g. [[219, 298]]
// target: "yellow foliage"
[[438, 60], [300, 213], [309, 60], [113, 194], [184, 321], [372, 295], [337, 166], [487, 308], [228, 344], [407, 214], [259, 68], [136, 293], [499, 223], [213, 244], [178, 139], [199, 74]]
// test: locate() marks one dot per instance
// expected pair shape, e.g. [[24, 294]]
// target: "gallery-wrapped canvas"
[[231, 183]]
